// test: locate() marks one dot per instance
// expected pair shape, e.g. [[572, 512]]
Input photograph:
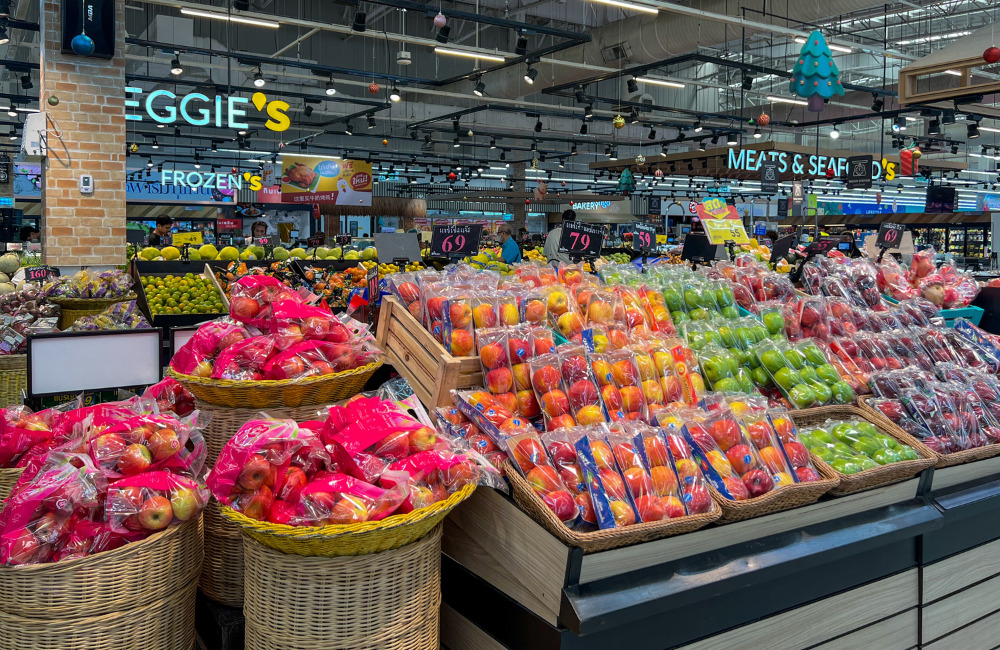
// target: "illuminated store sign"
[[210, 180], [749, 160], [199, 110]]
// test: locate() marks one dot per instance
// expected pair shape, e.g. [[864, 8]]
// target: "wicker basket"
[[164, 624], [13, 378], [74, 308], [222, 570], [384, 601], [266, 393], [782, 498], [8, 479], [602, 540], [942, 460], [126, 578], [869, 478], [225, 422], [352, 539]]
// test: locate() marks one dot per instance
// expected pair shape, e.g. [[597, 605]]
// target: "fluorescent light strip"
[[989, 129], [659, 82], [786, 100], [622, 4], [835, 48], [470, 54], [251, 151], [954, 73], [226, 17]]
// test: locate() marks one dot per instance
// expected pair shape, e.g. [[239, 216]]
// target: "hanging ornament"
[[618, 122], [534, 163], [541, 191], [564, 183], [439, 20], [763, 119], [81, 43], [658, 173], [815, 75], [385, 143], [527, 201], [53, 100], [373, 88], [991, 55], [452, 176], [626, 183], [133, 147], [640, 159], [830, 173], [917, 153]]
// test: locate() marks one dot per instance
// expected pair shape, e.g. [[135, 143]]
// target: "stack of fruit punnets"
[[368, 460], [274, 340]]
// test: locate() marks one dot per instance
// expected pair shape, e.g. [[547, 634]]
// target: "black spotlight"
[[588, 112], [522, 45], [241, 5], [359, 21], [308, 111], [414, 135], [934, 127], [877, 103], [443, 33], [26, 82], [530, 75], [479, 89], [954, 148], [538, 126], [583, 128], [972, 130], [947, 116], [581, 95], [747, 82], [371, 121], [632, 86], [652, 133], [348, 129]]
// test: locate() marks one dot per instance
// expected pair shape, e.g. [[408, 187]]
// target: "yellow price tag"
[[182, 238]]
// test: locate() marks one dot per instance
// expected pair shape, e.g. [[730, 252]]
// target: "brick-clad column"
[[81, 230]]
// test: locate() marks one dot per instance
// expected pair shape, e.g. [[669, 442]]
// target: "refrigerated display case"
[[961, 240]]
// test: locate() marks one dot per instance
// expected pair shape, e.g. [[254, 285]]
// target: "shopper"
[[258, 229], [551, 249], [163, 227], [30, 234], [510, 252]]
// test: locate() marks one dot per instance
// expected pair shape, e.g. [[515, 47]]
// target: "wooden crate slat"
[[950, 613]]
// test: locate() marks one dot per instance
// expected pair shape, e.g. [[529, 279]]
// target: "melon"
[[170, 253], [256, 251], [193, 254], [7, 287], [149, 253], [369, 253], [208, 252], [299, 253], [247, 255], [229, 253], [9, 263], [322, 252], [335, 253], [352, 255], [280, 253]]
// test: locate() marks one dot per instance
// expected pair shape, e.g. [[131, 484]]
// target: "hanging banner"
[[722, 222], [315, 179]]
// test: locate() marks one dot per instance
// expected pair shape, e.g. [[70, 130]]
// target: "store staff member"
[[551, 248], [29, 234], [510, 252], [163, 228], [258, 229]]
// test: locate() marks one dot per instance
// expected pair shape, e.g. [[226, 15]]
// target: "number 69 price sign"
[[889, 235], [580, 239], [455, 241]]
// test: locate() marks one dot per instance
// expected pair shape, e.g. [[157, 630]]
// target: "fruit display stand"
[[430, 369], [13, 378], [8, 479], [366, 313], [74, 308], [100, 601], [178, 268]]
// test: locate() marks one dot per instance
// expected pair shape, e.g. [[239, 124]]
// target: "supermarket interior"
[[499, 324]]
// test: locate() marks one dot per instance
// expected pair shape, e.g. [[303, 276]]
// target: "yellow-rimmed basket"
[[350, 539], [8, 479], [74, 308], [13, 378], [266, 393]]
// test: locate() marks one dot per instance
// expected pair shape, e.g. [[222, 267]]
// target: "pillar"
[[518, 208], [86, 136]]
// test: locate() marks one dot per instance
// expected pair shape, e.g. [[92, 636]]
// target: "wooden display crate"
[[417, 356]]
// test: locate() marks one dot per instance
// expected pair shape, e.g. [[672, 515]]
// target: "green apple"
[[864, 462], [713, 337], [727, 335], [828, 373], [787, 379], [774, 322], [809, 375], [727, 385], [823, 437], [698, 313], [867, 428], [795, 359], [672, 298], [823, 392], [825, 453], [801, 396], [746, 382], [845, 466], [730, 312], [760, 377], [692, 298], [678, 316], [813, 354], [885, 456], [868, 447], [772, 360], [841, 450], [842, 392], [759, 333], [907, 453], [845, 432], [714, 369], [724, 296], [806, 439]]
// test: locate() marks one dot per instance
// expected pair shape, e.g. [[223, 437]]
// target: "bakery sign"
[[750, 160], [197, 109], [319, 179]]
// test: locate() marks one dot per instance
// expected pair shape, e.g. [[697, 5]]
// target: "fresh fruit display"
[[170, 397], [272, 334], [945, 286], [181, 294], [22, 313], [802, 373], [119, 316], [366, 461], [853, 446], [82, 284], [281, 270], [97, 478], [336, 287]]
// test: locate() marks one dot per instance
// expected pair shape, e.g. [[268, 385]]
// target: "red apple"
[[164, 444], [528, 452], [560, 421], [741, 458], [758, 482], [625, 373], [259, 503], [736, 488], [612, 397], [254, 473], [632, 399], [518, 349], [582, 392], [726, 433], [135, 459], [650, 508], [156, 513], [697, 498], [527, 405], [561, 503], [492, 355], [545, 379], [543, 479], [585, 506], [672, 507], [622, 513], [637, 481], [243, 307], [555, 403], [423, 439], [24, 548], [499, 380], [589, 414], [601, 452], [797, 454]]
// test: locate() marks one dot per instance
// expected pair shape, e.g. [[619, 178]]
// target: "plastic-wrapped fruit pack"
[[852, 446]]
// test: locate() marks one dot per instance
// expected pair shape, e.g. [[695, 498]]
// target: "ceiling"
[[723, 60]]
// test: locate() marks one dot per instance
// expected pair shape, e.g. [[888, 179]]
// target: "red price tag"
[[453, 243], [579, 241]]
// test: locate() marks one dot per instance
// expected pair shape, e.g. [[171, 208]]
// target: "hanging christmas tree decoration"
[[991, 55], [439, 20], [564, 183], [640, 159], [452, 176], [763, 119], [618, 122], [815, 76], [373, 88], [385, 143], [626, 183], [908, 160]]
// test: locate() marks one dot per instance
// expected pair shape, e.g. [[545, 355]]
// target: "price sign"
[[262, 241], [225, 239], [822, 245], [181, 238], [456, 241], [889, 235], [39, 273], [643, 238], [581, 239], [315, 240]]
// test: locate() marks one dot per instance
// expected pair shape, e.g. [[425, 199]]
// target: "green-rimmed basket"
[[349, 539], [266, 393], [74, 308]]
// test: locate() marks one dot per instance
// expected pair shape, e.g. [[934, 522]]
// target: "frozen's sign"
[[749, 160], [198, 110], [225, 183]]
